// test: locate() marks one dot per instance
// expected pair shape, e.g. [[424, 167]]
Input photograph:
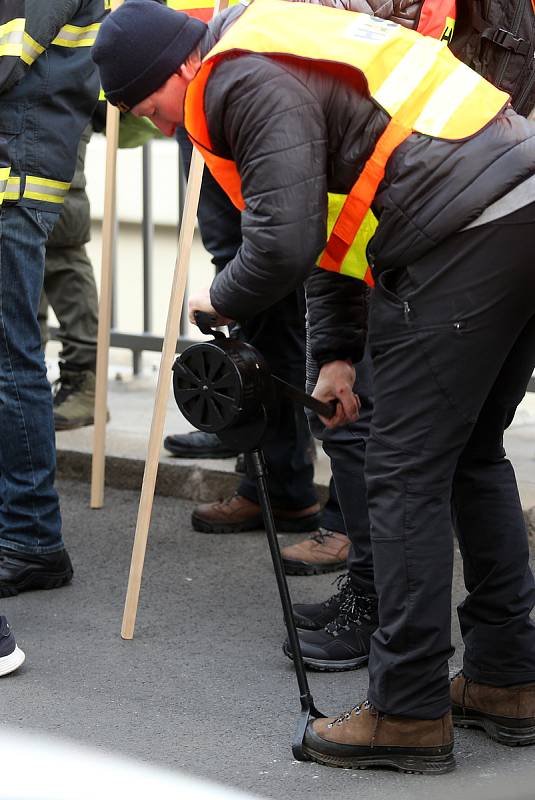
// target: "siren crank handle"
[[327, 410], [205, 322]]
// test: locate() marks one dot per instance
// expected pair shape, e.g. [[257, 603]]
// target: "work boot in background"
[[237, 514], [344, 643], [24, 572], [324, 551], [364, 737], [11, 656], [505, 713], [74, 399], [197, 444]]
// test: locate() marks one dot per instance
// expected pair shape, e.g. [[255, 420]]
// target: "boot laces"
[[356, 710], [321, 537], [354, 610], [343, 584]]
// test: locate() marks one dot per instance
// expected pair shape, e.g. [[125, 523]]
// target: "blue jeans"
[[30, 520]]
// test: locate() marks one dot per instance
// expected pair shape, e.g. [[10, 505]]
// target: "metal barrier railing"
[[148, 341]]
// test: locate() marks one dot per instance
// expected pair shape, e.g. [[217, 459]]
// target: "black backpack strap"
[[498, 36]]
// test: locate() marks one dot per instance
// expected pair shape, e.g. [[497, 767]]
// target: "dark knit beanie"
[[138, 48]]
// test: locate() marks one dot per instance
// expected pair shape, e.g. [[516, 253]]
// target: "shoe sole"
[[12, 662], [321, 665], [42, 581], [256, 524], [302, 568], [412, 764], [512, 737]]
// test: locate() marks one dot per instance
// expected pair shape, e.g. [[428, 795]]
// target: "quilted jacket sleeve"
[[279, 143], [337, 311], [404, 12]]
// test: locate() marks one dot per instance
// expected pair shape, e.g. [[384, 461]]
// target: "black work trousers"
[[452, 339], [347, 510], [279, 334]]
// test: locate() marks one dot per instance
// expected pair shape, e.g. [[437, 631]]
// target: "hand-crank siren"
[[225, 387]]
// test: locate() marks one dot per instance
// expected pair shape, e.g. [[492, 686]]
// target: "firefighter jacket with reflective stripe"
[[49, 90], [443, 98]]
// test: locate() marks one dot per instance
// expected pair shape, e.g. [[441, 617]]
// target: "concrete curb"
[[175, 479]]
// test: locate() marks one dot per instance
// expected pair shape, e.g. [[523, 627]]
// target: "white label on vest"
[[371, 29]]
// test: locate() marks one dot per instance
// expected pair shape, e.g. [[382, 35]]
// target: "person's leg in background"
[[70, 288], [279, 335], [494, 543], [32, 553], [335, 634]]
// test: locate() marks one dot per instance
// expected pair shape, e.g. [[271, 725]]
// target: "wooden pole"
[[104, 308], [176, 301], [162, 391]]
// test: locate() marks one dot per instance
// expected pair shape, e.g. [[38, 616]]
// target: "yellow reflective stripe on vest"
[[75, 36], [397, 63], [44, 189], [356, 262], [11, 36]]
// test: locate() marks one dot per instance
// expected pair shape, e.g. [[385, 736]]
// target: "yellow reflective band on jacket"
[[11, 37], [75, 36], [36, 188], [14, 41], [4, 175], [30, 49]]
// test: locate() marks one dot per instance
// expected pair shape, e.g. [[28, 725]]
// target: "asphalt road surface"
[[204, 686]]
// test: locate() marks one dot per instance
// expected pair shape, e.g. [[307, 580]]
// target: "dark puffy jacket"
[[296, 133], [405, 12]]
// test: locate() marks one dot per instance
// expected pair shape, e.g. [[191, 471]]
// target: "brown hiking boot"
[[237, 514], [363, 737], [324, 551], [505, 713]]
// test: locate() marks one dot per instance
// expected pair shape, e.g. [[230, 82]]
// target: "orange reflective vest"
[[437, 19], [414, 78], [204, 9]]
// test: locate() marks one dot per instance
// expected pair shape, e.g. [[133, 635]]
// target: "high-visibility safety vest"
[[437, 19], [43, 115], [414, 78]]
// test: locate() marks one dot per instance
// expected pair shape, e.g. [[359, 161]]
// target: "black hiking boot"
[[344, 643]]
